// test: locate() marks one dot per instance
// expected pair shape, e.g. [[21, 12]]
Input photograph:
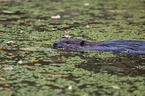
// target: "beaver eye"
[[82, 43], [67, 42]]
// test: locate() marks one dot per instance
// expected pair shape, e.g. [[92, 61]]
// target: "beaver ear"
[[83, 43], [67, 42]]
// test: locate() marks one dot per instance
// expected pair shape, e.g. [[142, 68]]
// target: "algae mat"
[[28, 70]]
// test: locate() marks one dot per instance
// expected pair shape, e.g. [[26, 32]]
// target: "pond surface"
[[29, 27]]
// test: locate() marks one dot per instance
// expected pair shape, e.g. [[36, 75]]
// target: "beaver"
[[119, 46]]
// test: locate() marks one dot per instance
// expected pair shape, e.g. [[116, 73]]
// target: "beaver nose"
[[55, 45]]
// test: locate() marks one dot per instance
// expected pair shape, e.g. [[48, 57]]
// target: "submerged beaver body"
[[120, 46]]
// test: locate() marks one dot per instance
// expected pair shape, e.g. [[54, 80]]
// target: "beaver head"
[[73, 44]]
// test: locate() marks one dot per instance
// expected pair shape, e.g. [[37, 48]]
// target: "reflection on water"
[[47, 48], [121, 65]]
